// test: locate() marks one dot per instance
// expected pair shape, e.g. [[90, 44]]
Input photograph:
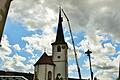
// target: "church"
[[54, 67]]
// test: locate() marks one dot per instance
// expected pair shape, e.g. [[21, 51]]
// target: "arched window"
[[49, 75], [58, 49]]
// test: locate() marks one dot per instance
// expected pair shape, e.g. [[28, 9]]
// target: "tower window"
[[58, 49], [49, 75]]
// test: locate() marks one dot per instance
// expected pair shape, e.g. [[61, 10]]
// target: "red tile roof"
[[44, 59]]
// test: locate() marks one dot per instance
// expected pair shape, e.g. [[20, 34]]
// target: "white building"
[[54, 67]]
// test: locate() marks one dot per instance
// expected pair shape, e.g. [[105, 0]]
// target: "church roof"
[[60, 35], [44, 59]]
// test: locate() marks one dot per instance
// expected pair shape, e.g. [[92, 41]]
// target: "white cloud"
[[29, 51], [16, 63], [94, 44], [5, 49], [72, 68], [103, 66], [19, 58], [102, 15], [40, 42], [72, 71], [71, 53], [34, 16], [93, 15], [17, 47]]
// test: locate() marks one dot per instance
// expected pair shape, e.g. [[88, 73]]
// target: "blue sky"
[[30, 30]]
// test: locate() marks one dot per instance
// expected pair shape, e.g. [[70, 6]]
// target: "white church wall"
[[42, 71], [60, 68]]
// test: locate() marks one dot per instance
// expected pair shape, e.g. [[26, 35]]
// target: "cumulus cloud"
[[5, 49], [103, 66], [15, 62], [92, 16], [40, 42], [71, 53], [102, 15], [34, 16], [72, 70], [17, 47]]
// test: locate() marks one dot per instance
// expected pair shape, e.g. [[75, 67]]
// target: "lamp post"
[[88, 54]]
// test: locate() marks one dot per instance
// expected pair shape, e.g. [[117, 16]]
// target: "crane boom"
[[73, 45]]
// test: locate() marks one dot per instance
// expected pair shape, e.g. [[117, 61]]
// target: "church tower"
[[59, 52]]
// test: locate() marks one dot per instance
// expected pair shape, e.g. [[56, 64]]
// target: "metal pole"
[[90, 67]]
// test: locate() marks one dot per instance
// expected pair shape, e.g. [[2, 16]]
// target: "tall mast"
[[79, 72]]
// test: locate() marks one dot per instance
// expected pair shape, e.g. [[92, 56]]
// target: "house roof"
[[8, 74], [45, 59]]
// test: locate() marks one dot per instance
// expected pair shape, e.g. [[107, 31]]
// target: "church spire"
[[60, 36]]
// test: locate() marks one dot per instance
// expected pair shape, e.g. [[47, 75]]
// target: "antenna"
[[73, 45]]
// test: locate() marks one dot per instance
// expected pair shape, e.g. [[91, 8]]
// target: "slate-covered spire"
[[60, 36]]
